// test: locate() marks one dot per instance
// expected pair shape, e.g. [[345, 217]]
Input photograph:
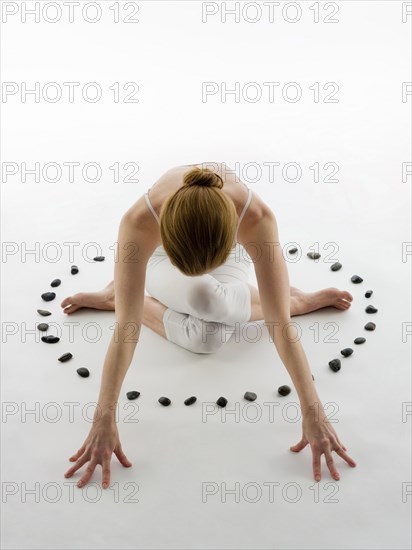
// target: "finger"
[[316, 464], [299, 446], [78, 465], [87, 474], [106, 472], [122, 457], [331, 465], [78, 454], [346, 457], [340, 444]]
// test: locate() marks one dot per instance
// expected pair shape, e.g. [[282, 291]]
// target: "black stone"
[[313, 255], [250, 396], [165, 401], [83, 372], [359, 340], [356, 279], [368, 293], [346, 352], [371, 309], [44, 312], [190, 400], [99, 259], [50, 339], [370, 326], [313, 378], [284, 390], [65, 357], [292, 250], [74, 270], [56, 282], [48, 296], [43, 327], [222, 402], [336, 266], [335, 365], [132, 395]]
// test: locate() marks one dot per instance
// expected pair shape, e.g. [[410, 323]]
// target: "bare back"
[[172, 180]]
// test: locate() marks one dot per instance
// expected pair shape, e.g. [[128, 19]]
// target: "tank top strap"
[[149, 204], [249, 198]]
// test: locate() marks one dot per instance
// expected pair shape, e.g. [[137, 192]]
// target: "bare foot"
[[104, 299], [304, 302]]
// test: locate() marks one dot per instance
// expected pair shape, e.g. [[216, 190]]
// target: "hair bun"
[[202, 177]]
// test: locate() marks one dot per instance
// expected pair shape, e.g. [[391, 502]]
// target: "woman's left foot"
[[305, 302], [104, 299]]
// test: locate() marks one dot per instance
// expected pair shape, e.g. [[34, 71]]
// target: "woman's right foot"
[[104, 299], [305, 302]]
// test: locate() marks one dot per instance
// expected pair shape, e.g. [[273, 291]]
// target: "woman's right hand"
[[102, 441]]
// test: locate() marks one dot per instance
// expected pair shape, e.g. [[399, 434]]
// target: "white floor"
[[205, 480]]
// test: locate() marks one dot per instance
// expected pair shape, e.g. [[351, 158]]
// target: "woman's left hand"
[[319, 433]]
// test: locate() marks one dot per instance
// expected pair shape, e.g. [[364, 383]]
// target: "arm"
[[136, 242], [133, 252], [274, 291]]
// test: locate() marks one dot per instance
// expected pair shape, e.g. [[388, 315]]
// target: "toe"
[[71, 309], [67, 301]]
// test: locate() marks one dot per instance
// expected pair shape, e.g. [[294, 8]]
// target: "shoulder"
[[258, 209], [140, 217], [258, 214]]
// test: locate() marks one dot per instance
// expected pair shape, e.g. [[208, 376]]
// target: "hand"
[[321, 436], [101, 442]]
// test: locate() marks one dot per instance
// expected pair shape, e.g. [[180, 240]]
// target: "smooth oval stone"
[[250, 396], [336, 266], [48, 296], [292, 250], [359, 340], [65, 357], [83, 372], [99, 259], [356, 279], [346, 352], [284, 390], [371, 309], [44, 312], [50, 339], [222, 402], [313, 255], [132, 394], [165, 401], [370, 326], [335, 365], [368, 293], [74, 270], [56, 282], [190, 400], [43, 326]]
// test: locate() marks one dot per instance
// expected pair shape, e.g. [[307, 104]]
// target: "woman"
[[184, 244]]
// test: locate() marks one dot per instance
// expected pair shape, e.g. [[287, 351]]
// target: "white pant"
[[201, 310]]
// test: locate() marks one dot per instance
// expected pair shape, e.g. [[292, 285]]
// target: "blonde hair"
[[198, 223]]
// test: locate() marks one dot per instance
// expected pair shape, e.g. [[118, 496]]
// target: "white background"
[[169, 53]]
